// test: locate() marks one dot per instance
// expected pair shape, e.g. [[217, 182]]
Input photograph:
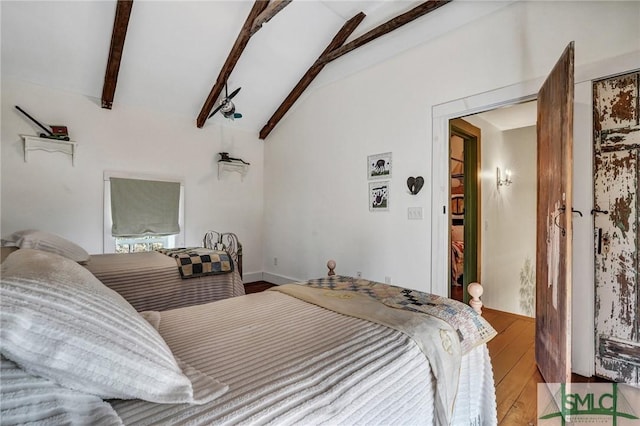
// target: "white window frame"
[[109, 241]]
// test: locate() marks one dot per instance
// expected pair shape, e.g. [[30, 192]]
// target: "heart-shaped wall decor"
[[415, 184]]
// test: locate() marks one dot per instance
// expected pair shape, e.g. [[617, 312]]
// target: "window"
[[142, 212], [140, 244]]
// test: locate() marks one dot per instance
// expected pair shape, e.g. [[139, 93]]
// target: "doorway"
[[503, 226]]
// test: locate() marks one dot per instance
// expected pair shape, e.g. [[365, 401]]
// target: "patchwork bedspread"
[[472, 330], [198, 261]]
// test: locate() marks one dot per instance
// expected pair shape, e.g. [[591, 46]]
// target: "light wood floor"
[[514, 368], [515, 372]]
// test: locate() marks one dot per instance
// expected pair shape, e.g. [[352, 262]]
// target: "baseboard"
[[251, 277], [278, 279]]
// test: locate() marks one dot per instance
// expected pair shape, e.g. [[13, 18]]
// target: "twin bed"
[[336, 350], [150, 281]]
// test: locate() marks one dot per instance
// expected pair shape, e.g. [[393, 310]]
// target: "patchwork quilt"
[[197, 261], [471, 328]]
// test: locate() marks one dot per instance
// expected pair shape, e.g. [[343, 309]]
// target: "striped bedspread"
[[151, 281], [287, 362]]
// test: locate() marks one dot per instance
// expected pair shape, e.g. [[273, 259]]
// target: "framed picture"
[[379, 196], [379, 166]]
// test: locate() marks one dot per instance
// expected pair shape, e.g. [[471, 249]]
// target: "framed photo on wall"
[[379, 166], [379, 196]]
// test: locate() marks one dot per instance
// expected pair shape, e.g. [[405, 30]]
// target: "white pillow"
[[60, 322], [42, 240], [25, 398]]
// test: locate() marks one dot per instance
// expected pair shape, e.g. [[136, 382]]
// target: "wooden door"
[[554, 224], [616, 123]]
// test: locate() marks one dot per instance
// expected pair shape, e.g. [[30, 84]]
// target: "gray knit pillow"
[[42, 240]]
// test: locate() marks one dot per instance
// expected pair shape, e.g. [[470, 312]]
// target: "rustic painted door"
[[616, 123], [554, 224]]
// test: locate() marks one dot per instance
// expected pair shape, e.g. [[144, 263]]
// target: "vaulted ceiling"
[[177, 55]]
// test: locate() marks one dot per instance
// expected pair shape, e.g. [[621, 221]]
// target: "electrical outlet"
[[275, 261], [387, 280], [359, 274]]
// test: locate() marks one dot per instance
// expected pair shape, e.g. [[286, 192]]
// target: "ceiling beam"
[[260, 10], [311, 73], [118, 35], [274, 7], [387, 27], [336, 50]]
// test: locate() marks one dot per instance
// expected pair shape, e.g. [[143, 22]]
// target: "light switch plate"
[[414, 213]]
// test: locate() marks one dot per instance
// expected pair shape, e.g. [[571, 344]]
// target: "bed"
[[335, 350], [153, 280], [457, 262], [457, 241]]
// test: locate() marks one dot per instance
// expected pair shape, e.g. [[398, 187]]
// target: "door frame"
[[440, 179], [471, 136]]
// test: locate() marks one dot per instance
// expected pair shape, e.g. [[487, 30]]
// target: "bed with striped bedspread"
[[287, 361], [151, 281]]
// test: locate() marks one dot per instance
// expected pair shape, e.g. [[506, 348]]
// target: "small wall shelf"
[[35, 143], [232, 166]]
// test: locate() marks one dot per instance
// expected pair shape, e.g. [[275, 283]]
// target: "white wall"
[[48, 193], [508, 227]]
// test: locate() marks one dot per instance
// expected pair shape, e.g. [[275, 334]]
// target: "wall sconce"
[[503, 180]]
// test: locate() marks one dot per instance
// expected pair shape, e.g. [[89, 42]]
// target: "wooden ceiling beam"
[[387, 27], [272, 10], [259, 7], [337, 49], [311, 73], [118, 35]]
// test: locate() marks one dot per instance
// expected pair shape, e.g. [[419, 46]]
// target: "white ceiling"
[[174, 50], [512, 116]]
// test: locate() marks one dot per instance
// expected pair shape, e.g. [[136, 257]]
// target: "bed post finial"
[[331, 264], [475, 291]]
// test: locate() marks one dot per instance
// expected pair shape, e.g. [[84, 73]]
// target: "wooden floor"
[[515, 372], [256, 286], [514, 368]]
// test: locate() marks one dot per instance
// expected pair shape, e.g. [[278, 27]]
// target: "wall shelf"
[[35, 143], [232, 166]]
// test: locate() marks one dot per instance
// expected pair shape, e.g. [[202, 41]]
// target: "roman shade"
[[144, 207]]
